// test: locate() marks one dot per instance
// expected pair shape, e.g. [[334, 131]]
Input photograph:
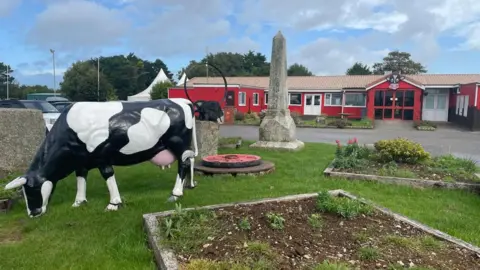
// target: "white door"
[[435, 107], [313, 104]]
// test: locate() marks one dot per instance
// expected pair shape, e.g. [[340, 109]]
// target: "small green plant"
[[277, 222], [342, 206], [423, 243], [327, 265], [368, 253], [315, 220], [361, 237], [351, 155], [244, 224], [429, 243]]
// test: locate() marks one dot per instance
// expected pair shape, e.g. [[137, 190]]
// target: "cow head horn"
[[17, 182], [224, 98]]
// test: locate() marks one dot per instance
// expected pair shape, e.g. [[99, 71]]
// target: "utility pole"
[[8, 79], [54, 79], [98, 78], [206, 63]]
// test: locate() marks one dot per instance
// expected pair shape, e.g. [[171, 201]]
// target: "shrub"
[[342, 206], [239, 116], [339, 122], [160, 90], [351, 155], [420, 123], [251, 117], [262, 114], [296, 118], [400, 150]]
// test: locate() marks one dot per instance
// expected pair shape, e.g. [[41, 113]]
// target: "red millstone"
[[231, 161]]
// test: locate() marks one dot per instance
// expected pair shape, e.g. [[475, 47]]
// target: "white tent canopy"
[[182, 79], [145, 94]]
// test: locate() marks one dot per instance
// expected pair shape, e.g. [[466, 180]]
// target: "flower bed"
[[402, 158], [424, 125], [307, 232]]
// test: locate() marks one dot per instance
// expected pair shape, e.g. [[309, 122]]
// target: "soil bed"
[[243, 237]]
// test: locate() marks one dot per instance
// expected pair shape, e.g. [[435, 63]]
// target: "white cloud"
[[7, 6], [78, 26], [184, 28]]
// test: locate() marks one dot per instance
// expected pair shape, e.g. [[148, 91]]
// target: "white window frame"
[[327, 101], [265, 99], [355, 106], [257, 96], [240, 94], [289, 95]]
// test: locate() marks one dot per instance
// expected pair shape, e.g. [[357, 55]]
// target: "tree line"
[[123, 75]]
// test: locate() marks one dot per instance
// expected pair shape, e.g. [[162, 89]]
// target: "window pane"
[[399, 98], [389, 98], [355, 99], [441, 102], [430, 102], [409, 99], [255, 98], [336, 99], [316, 100], [266, 98], [379, 99], [295, 99], [465, 106], [308, 100], [328, 98]]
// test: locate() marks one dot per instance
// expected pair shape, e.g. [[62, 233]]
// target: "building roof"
[[340, 82]]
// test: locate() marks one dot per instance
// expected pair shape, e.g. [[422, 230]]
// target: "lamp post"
[[98, 78], [54, 82]]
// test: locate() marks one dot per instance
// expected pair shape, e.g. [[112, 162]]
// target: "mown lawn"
[[89, 238]]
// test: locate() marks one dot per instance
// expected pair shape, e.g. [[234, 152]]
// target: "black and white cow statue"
[[101, 135]]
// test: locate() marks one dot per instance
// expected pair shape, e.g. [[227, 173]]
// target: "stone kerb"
[[166, 260], [207, 138], [414, 182], [21, 133]]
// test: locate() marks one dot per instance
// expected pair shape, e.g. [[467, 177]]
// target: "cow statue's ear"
[[17, 182]]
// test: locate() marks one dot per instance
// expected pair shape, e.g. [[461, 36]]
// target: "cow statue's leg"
[[183, 166], [81, 196], [109, 176], [192, 184]]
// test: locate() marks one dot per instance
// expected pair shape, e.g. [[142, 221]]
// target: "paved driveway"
[[444, 140]]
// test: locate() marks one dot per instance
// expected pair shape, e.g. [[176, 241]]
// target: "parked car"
[[50, 113], [60, 105]]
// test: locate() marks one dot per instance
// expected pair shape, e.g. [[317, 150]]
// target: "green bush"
[[400, 150], [239, 116], [251, 117], [160, 90], [351, 155], [420, 123], [296, 118]]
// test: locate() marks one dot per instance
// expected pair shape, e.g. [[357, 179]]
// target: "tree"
[[160, 90], [359, 69], [398, 61], [231, 65], [3, 73], [80, 83], [298, 70]]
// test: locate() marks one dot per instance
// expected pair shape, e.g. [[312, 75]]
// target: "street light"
[[54, 82]]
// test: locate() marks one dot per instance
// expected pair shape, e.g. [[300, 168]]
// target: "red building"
[[434, 97]]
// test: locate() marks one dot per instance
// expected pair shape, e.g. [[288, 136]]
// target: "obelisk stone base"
[[277, 131]]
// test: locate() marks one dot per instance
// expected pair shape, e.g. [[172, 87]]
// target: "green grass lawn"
[[89, 238]]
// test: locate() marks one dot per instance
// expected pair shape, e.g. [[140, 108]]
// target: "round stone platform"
[[231, 161], [262, 168]]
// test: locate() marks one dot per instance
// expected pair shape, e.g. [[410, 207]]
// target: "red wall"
[[466, 90], [249, 106], [200, 93], [417, 108]]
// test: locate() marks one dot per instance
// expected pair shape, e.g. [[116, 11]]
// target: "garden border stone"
[[415, 182], [165, 258]]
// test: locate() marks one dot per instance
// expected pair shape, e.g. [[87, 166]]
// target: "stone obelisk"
[[278, 130]]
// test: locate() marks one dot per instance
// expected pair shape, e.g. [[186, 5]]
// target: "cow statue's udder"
[[163, 158]]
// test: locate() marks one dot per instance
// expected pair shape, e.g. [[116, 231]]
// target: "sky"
[[324, 35]]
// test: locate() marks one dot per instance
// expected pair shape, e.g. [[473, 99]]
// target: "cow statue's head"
[[36, 193], [209, 111]]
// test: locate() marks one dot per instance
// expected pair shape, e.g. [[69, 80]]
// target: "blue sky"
[[326, 36]]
